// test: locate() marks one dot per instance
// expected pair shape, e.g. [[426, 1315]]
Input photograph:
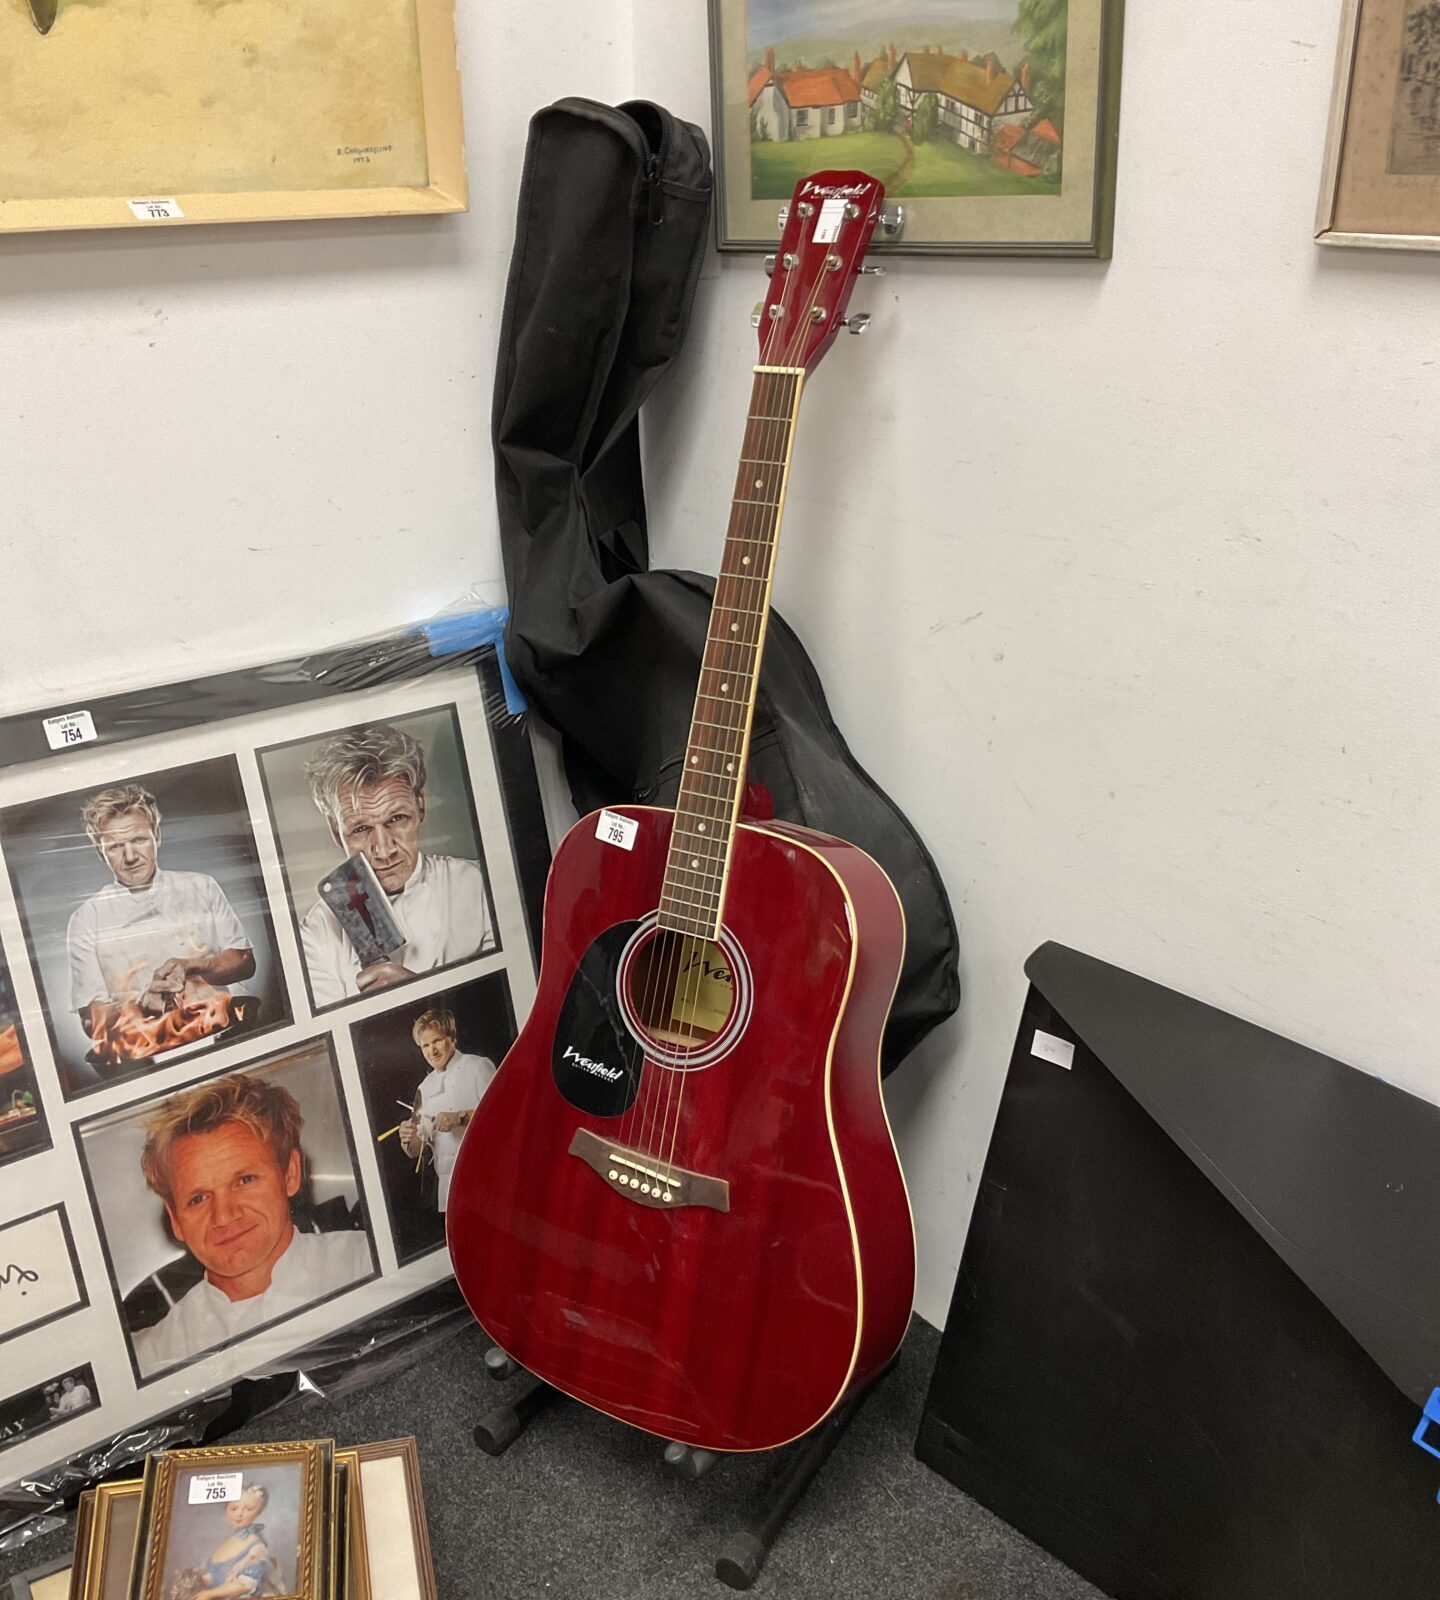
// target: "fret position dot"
[[724, 688], [700, 827], [744, 561], [734, 627], [694, 861], [694, 761], [729, 766], [759, 483]]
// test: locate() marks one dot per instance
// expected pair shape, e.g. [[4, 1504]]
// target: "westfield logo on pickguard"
[[597, 1069]]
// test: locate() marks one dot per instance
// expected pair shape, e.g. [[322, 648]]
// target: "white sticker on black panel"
[[1050, 1048]]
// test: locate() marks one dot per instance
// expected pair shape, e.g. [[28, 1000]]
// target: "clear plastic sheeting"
[[264, 937]]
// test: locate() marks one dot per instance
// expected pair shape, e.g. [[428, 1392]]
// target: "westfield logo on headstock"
[[834, 191]]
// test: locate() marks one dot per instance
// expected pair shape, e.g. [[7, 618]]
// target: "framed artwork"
[[22, 1117], [423, 1068], [352, 1561], [208, 1059], [51, 1581], [191, 1189], [82, 864], [107, 1546], [252, 1514], [997, 132], [138, 113], [413, 835], [1380, 183], [388, 1504]]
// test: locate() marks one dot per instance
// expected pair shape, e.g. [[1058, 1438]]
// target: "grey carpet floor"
[[582, 1507]]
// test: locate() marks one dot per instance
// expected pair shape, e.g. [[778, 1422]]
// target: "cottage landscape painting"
[[967, 101], [945, 101]]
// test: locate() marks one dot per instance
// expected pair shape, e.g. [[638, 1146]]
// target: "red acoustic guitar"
[[679, 1201]]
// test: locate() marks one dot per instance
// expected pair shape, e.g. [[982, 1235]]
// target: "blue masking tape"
[[468, 630], [1430, 1414]]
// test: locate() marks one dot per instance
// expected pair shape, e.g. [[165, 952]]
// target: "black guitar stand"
[[796, 1465]]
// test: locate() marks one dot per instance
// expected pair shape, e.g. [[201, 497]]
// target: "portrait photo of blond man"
[[394, 794], [253, 1213], [151, 930], [147, 919]]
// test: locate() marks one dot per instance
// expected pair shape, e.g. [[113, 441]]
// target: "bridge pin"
[[613, 1174], [644, 1188]]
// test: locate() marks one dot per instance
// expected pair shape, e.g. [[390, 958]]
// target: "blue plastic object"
[[1429, 1415], [466, 630]]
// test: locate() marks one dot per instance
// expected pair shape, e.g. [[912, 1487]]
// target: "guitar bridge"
[[644, 1179]]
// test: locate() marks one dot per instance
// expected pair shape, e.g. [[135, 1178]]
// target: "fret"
[[690, 900], [711, 781], [674, 922], [687, 906], [700, 872]]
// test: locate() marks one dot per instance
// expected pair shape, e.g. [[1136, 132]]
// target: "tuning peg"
[[784, 216], [770, 266], [856, 322], [892, 220], [872, 272], [757, 313]]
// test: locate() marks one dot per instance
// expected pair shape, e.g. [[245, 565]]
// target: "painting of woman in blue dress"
[[244, 1561]]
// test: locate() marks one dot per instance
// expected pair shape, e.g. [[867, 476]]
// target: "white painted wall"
[[220, 445], [1122, 579], [1143, 638]]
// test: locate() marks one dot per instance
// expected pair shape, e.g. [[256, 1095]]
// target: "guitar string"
[[704, 796], [767, 519], [751, 520], [705, 791], [768, 514]]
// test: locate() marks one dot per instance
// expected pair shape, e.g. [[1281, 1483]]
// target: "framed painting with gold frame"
[[998, 134], [105, 1550], [1380, 181], [145, 113], [258, 1512]]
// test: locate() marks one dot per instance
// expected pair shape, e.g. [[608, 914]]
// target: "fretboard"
[[712, 782]]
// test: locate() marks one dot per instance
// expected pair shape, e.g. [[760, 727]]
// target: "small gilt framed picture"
[[256, 1514], [1380, 183], [107, 1544]]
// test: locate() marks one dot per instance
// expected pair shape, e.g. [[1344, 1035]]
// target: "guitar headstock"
[[827, 229]]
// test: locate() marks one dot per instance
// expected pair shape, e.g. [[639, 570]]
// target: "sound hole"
[[681, 989]]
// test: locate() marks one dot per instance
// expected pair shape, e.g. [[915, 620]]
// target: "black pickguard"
[[595, 1061]]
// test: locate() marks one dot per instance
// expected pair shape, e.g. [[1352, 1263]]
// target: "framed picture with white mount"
[[999, 135], [1380, 182]]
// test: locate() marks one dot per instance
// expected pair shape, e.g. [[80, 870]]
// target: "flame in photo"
[[11, 1055], [131, 1035]]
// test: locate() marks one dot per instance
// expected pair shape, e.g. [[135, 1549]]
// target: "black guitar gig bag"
[[614, 208]]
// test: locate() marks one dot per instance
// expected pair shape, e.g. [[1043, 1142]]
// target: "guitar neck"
[[712, 782]]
